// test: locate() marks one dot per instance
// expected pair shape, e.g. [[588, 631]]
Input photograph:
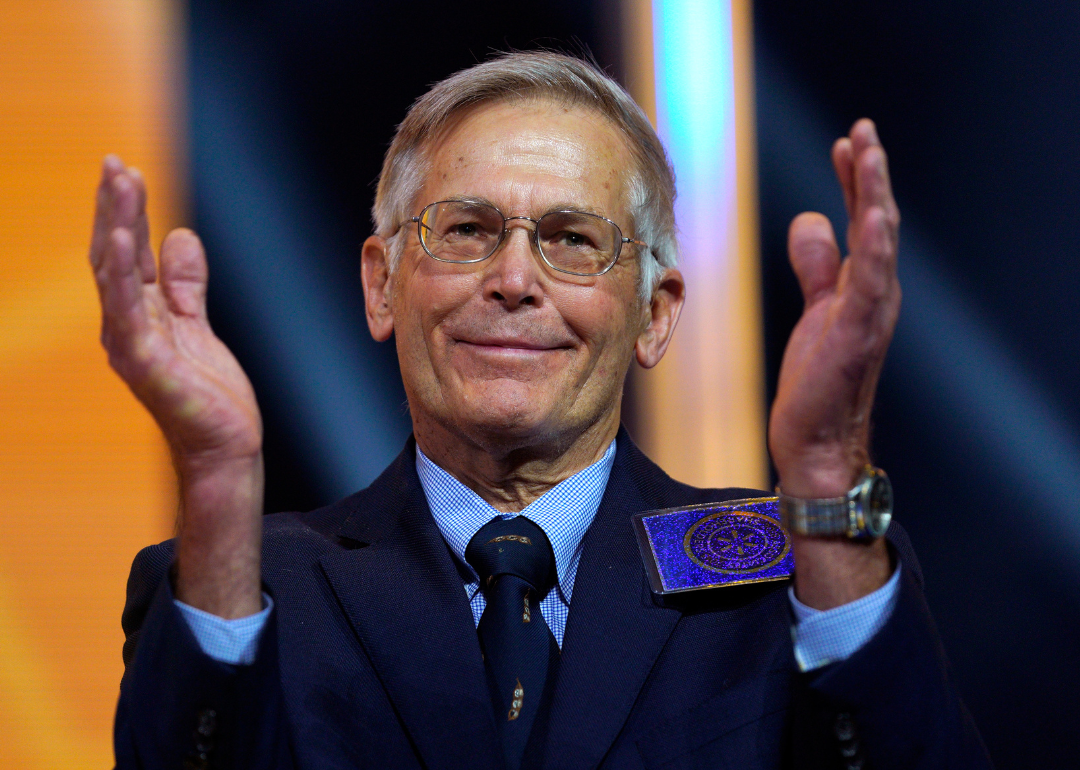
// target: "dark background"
[[292, 105]]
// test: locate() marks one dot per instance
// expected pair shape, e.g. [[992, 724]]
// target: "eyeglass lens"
[[464, 231]]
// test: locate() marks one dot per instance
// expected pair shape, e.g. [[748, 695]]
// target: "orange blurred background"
[[84, 476]]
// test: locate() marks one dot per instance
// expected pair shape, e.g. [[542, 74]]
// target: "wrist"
[[837, 525], [821, 474], [220, 535], [196, 467], [221, 495], [831, 572]]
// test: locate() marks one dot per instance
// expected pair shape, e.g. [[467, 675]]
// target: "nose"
[[513, 271]]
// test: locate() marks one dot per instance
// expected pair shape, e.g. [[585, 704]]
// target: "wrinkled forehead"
[[529, 155]]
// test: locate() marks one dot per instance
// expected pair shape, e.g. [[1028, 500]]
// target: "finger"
[[121, 290], [128, 211], [844, 162], [143, 251], [184, 273], [863, 134], [110, 167], [872, 184], [874, 192], [125, 203], [871, 284], [814, 255]]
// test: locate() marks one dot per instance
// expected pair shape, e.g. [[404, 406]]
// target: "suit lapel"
[[404, 598], [614, 632]]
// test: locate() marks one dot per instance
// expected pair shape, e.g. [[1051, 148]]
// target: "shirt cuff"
[[830, 636], [227, 641]]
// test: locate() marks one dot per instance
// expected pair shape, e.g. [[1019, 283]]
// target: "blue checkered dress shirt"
[[564, 512]]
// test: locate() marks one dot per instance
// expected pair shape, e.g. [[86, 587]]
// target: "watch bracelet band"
[[822, 517]]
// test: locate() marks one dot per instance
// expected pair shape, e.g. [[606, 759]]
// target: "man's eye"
[[466, 229], [574, 240]]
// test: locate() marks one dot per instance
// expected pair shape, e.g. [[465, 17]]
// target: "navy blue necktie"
[[516, 565]]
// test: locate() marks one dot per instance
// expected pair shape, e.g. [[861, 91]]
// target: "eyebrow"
[[558, 206]]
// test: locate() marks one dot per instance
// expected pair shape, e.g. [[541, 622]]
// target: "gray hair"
[[540, 75]]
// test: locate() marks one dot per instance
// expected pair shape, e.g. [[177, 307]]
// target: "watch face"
[[879, 506]]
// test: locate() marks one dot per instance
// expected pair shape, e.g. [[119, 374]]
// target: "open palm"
[[155, 329], [819, 426]]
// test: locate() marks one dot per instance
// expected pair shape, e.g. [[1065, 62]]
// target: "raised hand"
[[155, 330], [819, 426]]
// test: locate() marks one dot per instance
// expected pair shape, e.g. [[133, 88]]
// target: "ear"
[[377, 279], [662, 315]]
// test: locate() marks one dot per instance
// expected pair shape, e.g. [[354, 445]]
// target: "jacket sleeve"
[[179, 707], [893, 703]]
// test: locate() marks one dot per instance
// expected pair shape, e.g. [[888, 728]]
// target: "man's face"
[[507, 352]]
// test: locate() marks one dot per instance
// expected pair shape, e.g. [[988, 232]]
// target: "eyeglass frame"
[[534, 236]]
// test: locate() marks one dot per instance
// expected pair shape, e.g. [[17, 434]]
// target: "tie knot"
[[513, 547]]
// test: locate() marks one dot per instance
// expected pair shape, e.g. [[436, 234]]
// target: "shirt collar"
[[564, 512]]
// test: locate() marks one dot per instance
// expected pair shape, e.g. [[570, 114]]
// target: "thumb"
[[184, 273], [814, 255]]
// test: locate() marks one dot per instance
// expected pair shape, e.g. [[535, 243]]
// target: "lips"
[[513, 343], [508, 334]]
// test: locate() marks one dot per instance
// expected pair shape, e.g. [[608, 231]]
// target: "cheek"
[[601, 319], [423, 301]]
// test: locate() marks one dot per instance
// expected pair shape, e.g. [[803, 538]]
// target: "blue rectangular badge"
[[713, 545]]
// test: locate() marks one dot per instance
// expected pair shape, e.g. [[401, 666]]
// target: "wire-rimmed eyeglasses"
[[466, 231]]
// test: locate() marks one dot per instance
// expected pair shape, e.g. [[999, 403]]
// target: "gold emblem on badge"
[[736, 542]]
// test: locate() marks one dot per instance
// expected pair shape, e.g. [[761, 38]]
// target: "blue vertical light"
[[710, 429], [695, 112]]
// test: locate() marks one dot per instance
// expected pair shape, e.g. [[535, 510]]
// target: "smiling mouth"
[[521, 347]]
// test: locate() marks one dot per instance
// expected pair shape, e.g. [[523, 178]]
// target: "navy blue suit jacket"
[[370, 659]]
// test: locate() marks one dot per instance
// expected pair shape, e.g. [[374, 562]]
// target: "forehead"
[[530, 157]]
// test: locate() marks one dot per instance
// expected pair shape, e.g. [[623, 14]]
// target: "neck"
[[510, 475]]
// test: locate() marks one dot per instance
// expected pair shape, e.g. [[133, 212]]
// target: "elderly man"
[[483, 603]]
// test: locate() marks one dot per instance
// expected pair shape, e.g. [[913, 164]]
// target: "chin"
[[516, 415]]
